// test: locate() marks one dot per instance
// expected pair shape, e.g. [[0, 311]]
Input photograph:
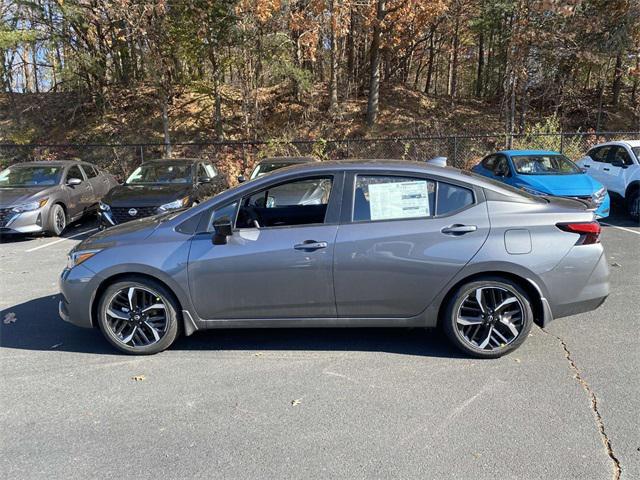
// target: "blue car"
[[542, 172]]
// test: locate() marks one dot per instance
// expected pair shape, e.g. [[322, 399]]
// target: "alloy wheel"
[[490, 318], [59, 220], [137, 317]]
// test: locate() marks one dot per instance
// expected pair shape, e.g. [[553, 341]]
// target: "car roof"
[[631, 143], [174, 160], [291, 160], [50, 163], [512, 153]]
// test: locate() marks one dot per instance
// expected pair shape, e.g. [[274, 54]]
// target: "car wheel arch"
[[530, 287], [104, 284], [632, 187]]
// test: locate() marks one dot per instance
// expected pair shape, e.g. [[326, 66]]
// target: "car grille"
[[5, 216], [121, 214]]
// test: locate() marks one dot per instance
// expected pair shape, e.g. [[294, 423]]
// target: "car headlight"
[[104, 207], [181, 202], [76, 258], [28, 207], [532, 191], [598, 196]]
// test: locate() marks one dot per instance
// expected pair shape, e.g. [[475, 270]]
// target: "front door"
[[80, 196], [406, 239], [614, 171], [278, 262]]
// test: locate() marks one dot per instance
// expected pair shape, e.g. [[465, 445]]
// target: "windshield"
[[544, 165], [30, 176], [636, 151], [266, 167], [161, 173]]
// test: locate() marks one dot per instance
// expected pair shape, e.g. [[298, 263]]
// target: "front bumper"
[[25, 222], [78, 288], [604, 208]]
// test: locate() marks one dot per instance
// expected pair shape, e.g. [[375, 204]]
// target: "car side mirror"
[[73, 182], [222, 229], [204, 180], [241, 179]]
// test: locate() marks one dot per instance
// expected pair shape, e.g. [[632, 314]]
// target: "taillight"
[[589, 231]]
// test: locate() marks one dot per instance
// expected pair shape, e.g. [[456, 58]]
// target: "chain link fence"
[[235, 158]]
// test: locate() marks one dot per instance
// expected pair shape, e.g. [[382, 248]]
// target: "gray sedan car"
[[46, 196], [362, 244]]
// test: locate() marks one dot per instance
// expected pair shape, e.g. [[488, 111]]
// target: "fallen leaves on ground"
[[138, 378], [296, 402]]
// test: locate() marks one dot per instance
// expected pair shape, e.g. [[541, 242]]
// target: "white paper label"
[[399, 200]]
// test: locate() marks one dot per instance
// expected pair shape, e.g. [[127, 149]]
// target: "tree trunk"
[[617, 80], [480, 65], [432, 50], [374, 76], [636, 80], [165, 124], [333, 74], [453, 63]]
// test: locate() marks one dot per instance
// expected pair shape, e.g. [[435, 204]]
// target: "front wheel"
[[633, 205], [138, 316], [57, 220], [488, 318]]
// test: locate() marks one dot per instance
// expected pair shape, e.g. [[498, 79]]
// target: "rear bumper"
[[605, 207], [579, 283]]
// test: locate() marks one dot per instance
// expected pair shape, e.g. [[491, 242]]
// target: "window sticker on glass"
[[399, 200]]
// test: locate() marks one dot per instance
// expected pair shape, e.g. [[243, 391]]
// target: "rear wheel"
[[57, 221], [488, 318], [138, 316]]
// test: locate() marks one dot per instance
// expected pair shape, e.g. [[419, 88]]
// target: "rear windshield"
[[544, 165], [266, 167]]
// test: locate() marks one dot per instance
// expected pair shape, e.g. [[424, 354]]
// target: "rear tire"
[[494, 327], [138, 316], [57, 221]]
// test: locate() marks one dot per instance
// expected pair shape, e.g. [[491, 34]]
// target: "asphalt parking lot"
[[327, 403]]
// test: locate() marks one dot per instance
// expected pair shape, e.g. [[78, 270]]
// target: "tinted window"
[[202, 172], [488, 162], [301, 202], [379, 197], [620, 154], [636, 150], [211, 170], [90, 171], [74, 172], [501, 166], [161, 172], [452, 198], [544, 165], [599, 154]]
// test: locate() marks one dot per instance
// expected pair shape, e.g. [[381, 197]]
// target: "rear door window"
[[620, 154], [599, 154], [380, 197], [90, 171], [452, 198]]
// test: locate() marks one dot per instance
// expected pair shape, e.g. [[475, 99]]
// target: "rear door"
[[614, 171], [278, 262], [80, 196], [401, 240], [99, 184]]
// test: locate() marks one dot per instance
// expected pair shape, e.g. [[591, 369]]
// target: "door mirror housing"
[[241, 179], [222, 229], [73, 181]]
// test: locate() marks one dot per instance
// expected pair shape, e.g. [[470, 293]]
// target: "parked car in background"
[[160, 186], [271, 164], [47, 196], [382, 244], [541, 172], [617, 166]]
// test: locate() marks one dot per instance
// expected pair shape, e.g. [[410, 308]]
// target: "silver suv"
[[46, 196]]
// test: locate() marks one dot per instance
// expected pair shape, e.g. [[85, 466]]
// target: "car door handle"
[[458, 229], [310, 245], [605, 169]]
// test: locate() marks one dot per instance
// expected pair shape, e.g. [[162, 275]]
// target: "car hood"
[[146, 195], [579, 184], [10, 197], [129, 232]]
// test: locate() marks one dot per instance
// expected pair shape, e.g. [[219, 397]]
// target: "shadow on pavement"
[[38, 327], [619, 216], [76, 228]]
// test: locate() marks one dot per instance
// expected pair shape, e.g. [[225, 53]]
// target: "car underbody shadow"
[[35, 325]]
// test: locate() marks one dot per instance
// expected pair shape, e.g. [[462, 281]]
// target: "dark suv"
[[159, 186]]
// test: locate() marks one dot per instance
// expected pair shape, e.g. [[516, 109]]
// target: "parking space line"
[[621, 228], [61, 240]]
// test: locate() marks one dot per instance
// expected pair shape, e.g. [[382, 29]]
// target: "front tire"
[[633, 205], [488, 318], [138, 316], [57, 220]]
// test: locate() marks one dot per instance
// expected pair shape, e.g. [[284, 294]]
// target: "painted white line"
[[621, 228], [61, 240]]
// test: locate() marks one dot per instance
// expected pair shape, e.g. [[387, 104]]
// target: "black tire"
[[106, 323], [633, 205], [492, 321], [56, 221]]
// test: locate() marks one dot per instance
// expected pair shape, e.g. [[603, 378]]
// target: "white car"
[[617, 166]]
